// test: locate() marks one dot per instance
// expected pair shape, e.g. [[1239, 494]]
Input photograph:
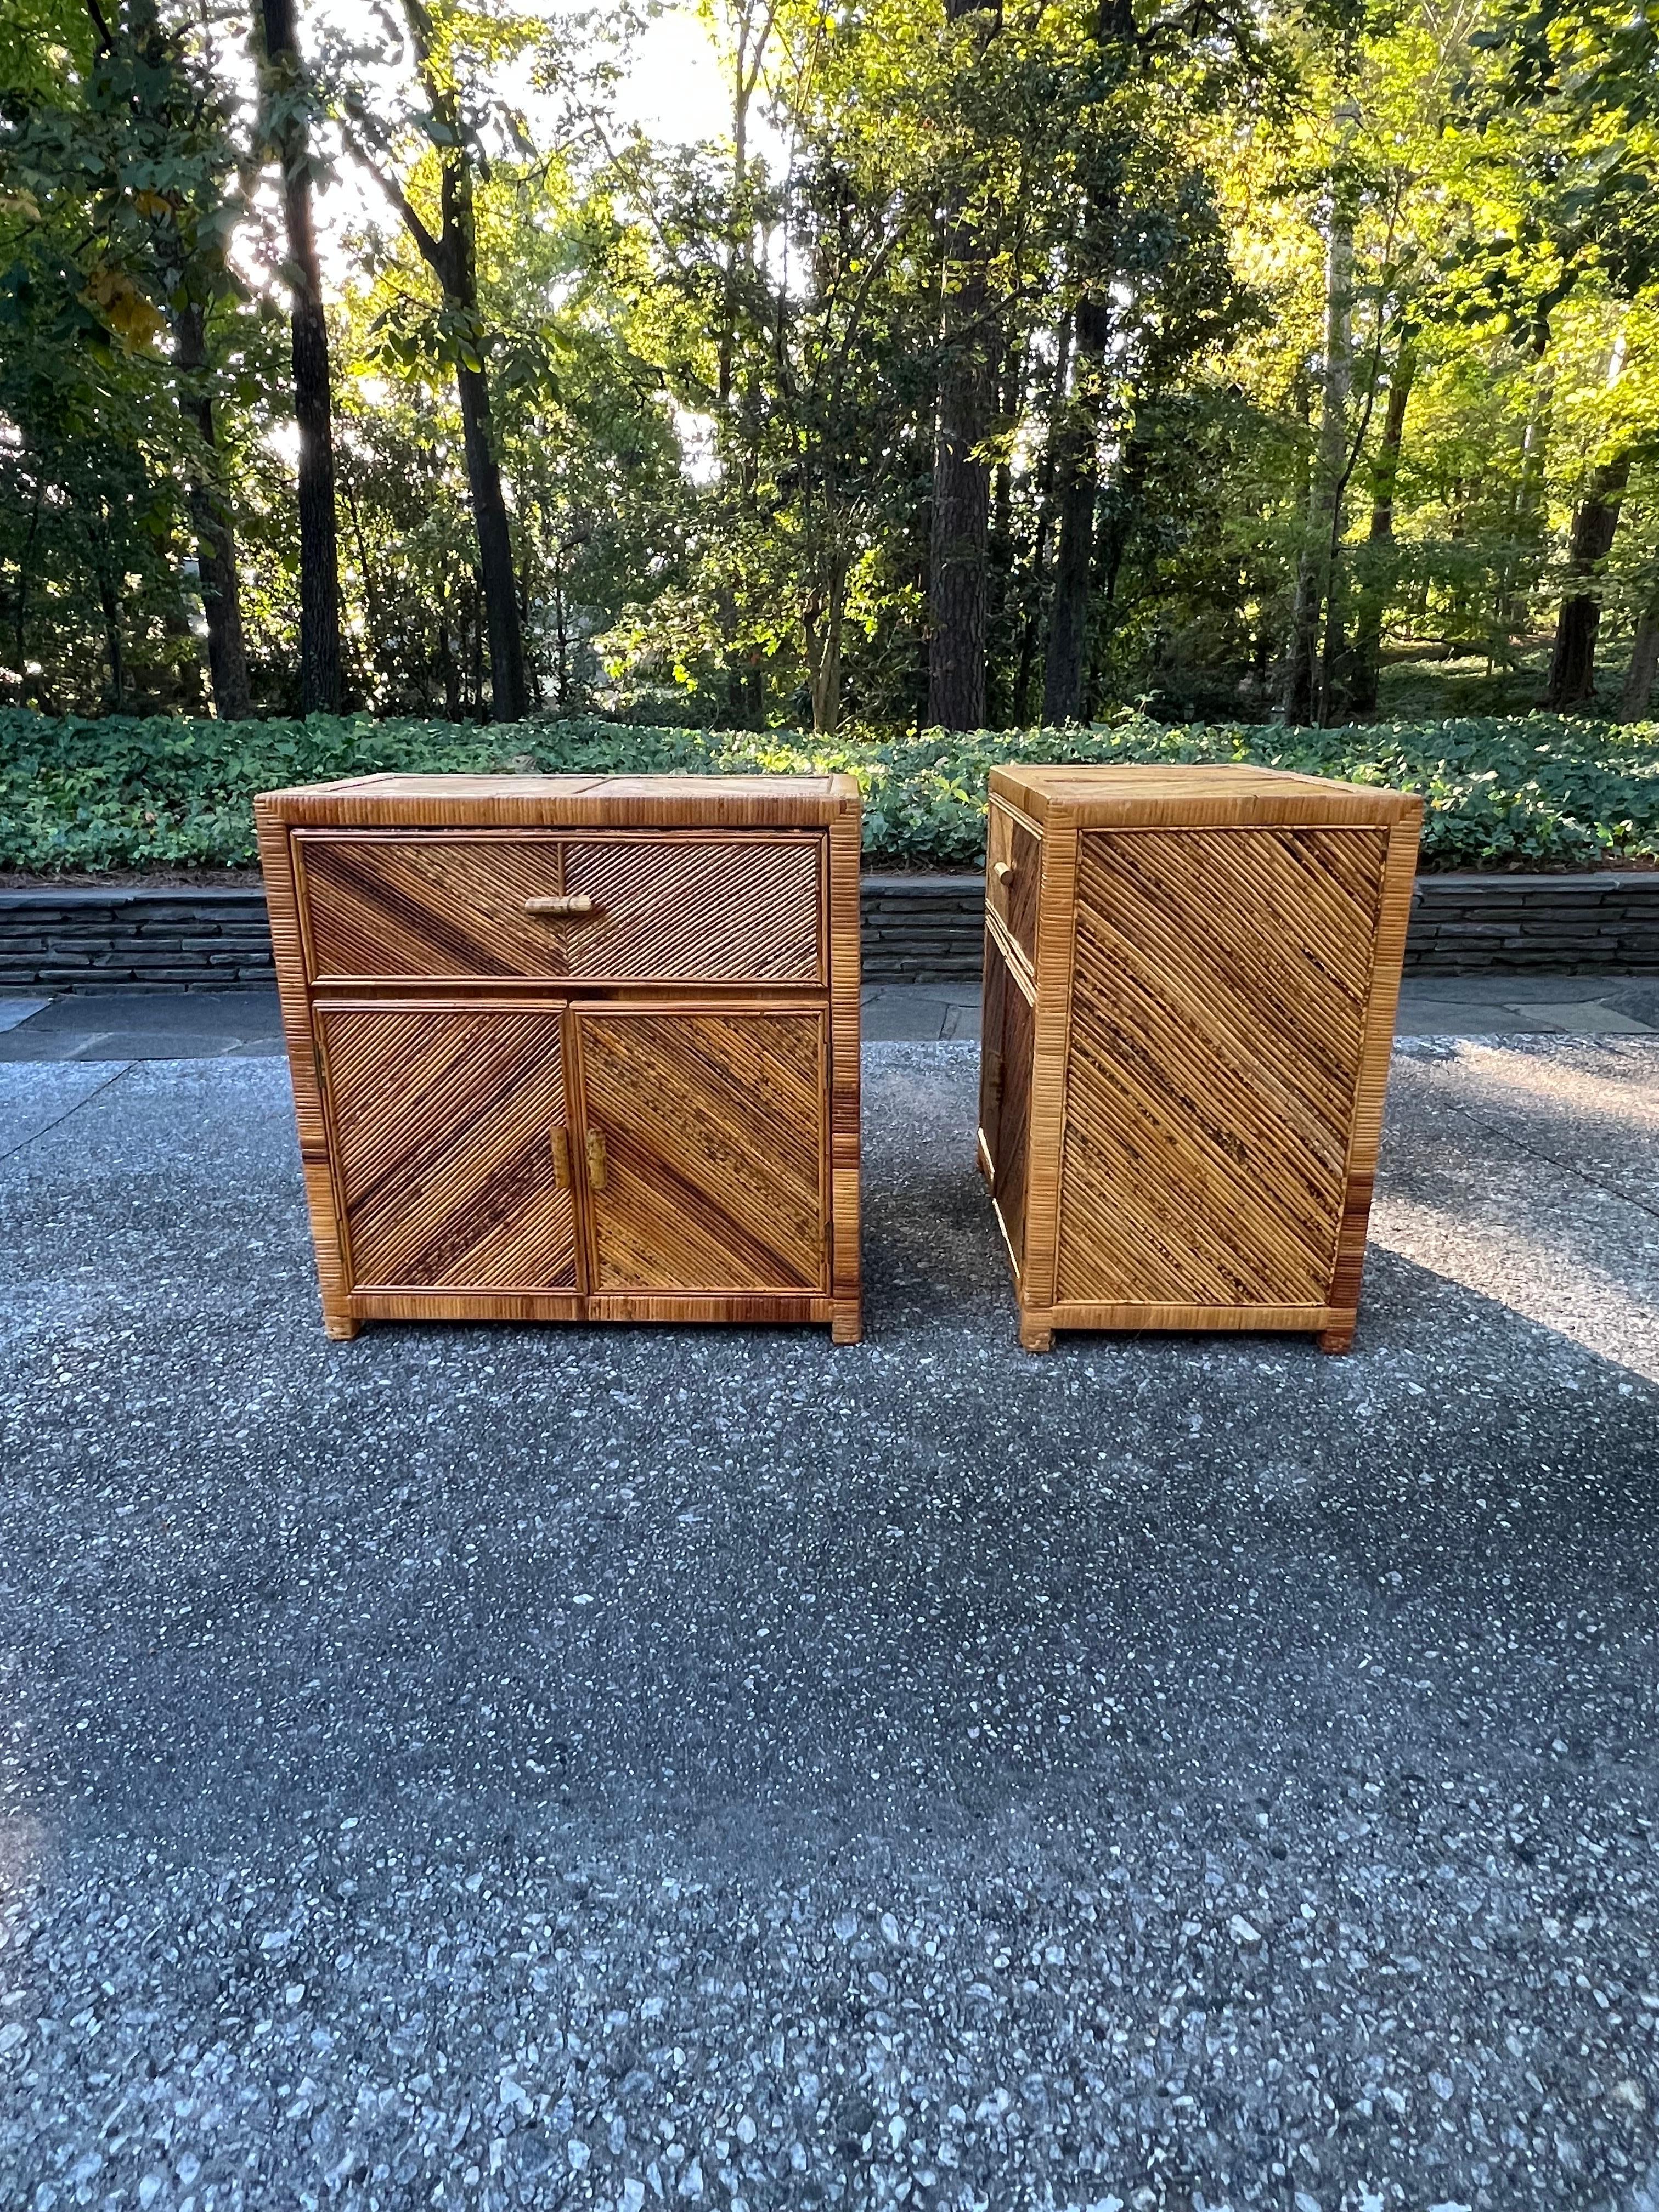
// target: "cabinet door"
[[704, 1149], [449, 1135]]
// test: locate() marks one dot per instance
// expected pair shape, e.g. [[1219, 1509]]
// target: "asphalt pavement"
[[514, 1766]]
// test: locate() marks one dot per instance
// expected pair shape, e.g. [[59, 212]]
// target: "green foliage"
[[1527, 791], [716, 368]]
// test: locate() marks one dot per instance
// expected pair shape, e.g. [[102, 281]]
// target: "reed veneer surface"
[[712, 1130], [444, 1125], [572, 1048], [1199, 1088], [687, 907]]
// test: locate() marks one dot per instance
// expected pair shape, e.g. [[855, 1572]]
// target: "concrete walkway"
[[1430, 1006], [662, 1768], [245, 1024]]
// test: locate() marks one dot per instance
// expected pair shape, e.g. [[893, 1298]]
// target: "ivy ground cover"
[[1527, 791]]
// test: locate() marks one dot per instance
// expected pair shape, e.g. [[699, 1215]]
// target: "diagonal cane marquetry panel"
[[442, 1126], [448, 907], [1218, 1018], [712, 1133], [725, 911]]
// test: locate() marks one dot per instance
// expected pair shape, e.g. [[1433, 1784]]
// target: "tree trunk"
[[215, 538], [111, 609], [824, 623], [1077, 487], [508, 692], [1644, 665], [1034, 601], [456, 267], [319, 559], [1310, 675], [1379, 556], [962, 518], [20, 616], [1572, 663], [751, 38], [1527, 515], [448, 669], [959, 545]]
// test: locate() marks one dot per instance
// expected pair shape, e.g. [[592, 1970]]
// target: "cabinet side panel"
[[846, 1275], [1366, 1137], [1006, 1094], [1218, 1021], [282, 905], [1050, 1028]]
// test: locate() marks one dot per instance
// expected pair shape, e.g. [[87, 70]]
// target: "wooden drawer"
[[458, 909], [707, 911], [1012, 873]]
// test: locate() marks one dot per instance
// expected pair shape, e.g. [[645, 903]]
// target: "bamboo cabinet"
[[1191, 977], [573, 1048]]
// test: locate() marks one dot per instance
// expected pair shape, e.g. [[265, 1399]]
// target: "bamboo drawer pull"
[[559, 1142], [1004, 871], [596, 1160], [568, 902]]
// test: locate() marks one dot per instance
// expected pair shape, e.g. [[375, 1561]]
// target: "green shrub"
[[1522, 791]]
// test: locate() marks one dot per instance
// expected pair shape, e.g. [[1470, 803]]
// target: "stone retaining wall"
[[917, 929], [130, 938]]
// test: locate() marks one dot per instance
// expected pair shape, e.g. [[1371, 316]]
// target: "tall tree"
[[1307, 683], [960, 536], [121, 166], [192, 217], [288, 110], [1077, 482], [450, 250], [1377, 574]]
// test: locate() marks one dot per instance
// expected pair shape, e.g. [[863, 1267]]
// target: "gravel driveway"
[[516, 1767]]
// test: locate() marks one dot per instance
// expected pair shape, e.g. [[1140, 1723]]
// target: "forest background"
[[989, 365]]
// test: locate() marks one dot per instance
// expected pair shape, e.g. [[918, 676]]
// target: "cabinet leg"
[[848, 1326], [1035, 1334], [342, 1327], [1335, 1340]]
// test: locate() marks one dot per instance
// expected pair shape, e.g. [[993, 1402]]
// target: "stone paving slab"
[[248, 1024], [556, 1768]]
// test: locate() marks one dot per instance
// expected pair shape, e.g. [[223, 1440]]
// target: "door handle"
[[559, 1142], [1004, 871], [596, 1160], [566, 903]]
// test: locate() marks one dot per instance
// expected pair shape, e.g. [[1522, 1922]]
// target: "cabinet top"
[[728, 802], [1178, 795]]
